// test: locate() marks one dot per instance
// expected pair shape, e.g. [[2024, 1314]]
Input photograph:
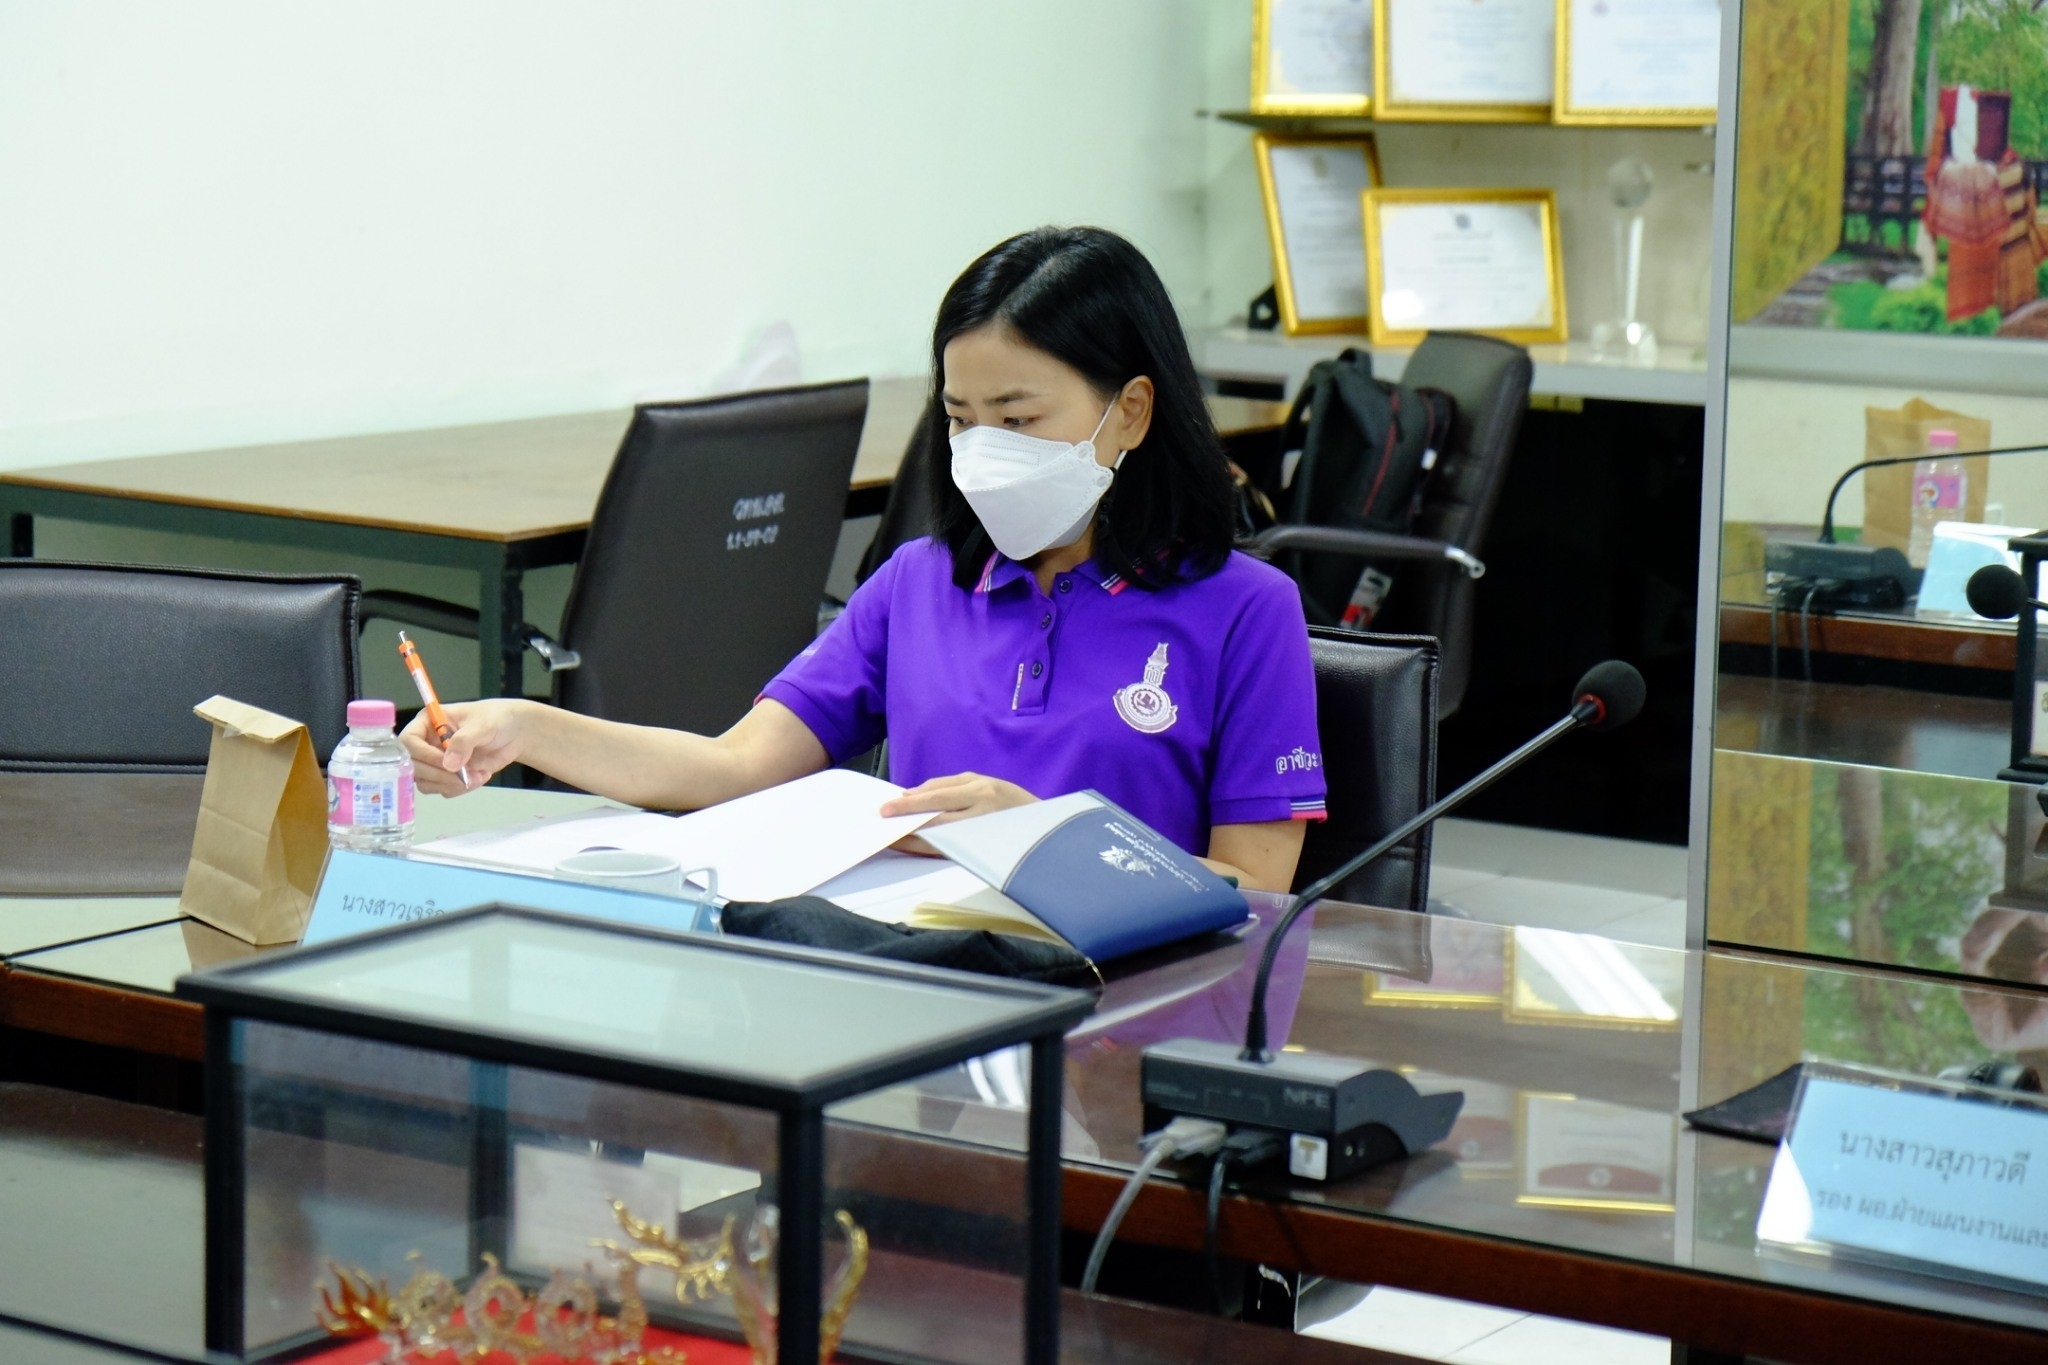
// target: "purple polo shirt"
[[1191, 706]]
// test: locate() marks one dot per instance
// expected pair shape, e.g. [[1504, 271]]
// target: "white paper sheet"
[[1464, 266], [1318, 187], [1471, 51], [1320, 48], [780, 842], [1645, 54], [537, 845]]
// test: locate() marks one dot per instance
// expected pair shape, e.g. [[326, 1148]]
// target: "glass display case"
[[513, 1130]]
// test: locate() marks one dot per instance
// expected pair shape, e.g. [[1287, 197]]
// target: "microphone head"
[[1996, 593], [1612, 692]]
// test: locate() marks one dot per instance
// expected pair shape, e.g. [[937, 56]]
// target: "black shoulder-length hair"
[[1090, 299]]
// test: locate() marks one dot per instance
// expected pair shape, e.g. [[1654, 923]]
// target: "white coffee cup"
[[654, 874]]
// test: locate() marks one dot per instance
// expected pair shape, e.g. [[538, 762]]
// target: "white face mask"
[[1030, 493]]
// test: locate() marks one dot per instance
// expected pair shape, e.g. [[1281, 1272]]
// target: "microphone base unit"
[[1871, 577], [1339, 1115]]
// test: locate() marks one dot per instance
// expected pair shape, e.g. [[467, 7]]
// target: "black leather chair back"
[[101, 664], [708, 554], [1376, 713], [909, 514], [1490, 381]]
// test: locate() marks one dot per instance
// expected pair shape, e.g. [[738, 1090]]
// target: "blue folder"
[[1098, 876]]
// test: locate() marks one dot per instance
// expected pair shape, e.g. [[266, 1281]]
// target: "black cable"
[[1777, 600], [1806, 627], [1247, 1149], [1219, 1168]]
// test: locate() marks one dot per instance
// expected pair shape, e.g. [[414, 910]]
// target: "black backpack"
[[1367, 447]]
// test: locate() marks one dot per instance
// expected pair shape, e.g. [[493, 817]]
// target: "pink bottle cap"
[[372, 713], [1941, 438]]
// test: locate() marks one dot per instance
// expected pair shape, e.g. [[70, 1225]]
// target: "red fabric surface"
[[701, 1351]]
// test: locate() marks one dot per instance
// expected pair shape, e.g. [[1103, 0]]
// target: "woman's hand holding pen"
[[486, 739]]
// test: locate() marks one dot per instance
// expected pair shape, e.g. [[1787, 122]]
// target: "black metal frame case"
[[239, 991]]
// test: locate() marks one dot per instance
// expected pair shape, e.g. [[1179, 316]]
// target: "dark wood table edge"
[[1902, 639], [94, 1012], [1696, 1308]]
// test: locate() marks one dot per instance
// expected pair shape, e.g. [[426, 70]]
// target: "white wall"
[[232, 221], [229, 222]]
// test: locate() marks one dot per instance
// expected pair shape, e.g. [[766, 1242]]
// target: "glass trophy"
[[1627, 340]]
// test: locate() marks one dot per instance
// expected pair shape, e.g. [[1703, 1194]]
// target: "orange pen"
[[437, 719]]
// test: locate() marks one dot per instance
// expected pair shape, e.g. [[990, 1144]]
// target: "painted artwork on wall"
[[1935, 224]]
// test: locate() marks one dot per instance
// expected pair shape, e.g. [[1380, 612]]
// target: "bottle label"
[[376, 803], [1366, 598], [1942, 492]]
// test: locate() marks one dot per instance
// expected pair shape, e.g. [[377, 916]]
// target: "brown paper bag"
[[262, 832], [1888, 491]]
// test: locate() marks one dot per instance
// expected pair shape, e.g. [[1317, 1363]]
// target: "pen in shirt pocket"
[[437, 719]]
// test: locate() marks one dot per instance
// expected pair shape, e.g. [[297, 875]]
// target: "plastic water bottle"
[[1941, 489], [369, 783]]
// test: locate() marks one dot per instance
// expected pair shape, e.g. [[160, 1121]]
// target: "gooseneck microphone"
[[1335, 1116], [1609, 695], [1996, 593], [1827, 520]]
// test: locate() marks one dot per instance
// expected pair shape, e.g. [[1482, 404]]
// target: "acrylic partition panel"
[[1887, 272]]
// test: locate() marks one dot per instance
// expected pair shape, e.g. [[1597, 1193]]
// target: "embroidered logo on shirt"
[[1145, 706], [1124, 860]]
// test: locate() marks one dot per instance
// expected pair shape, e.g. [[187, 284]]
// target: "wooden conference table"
[[1569, 1187], [498, 499]]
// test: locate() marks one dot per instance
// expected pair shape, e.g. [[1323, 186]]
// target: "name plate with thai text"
[[1933, 1174], [362, 891]]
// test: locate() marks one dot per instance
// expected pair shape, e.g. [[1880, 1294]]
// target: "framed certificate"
[[1483, 1137], [1312, 56], [1313, 188], [1482, 61], [1585, 1154], [1584, 981], [1468, 969], [1463, 260], [1638, 62]]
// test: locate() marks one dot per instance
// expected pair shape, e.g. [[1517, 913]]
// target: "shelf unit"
[[1562, 371]]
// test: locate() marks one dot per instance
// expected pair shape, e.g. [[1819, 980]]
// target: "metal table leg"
[[501, 603]]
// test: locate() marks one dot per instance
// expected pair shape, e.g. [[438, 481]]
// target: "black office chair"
[[1376, 713], [1439, 563], [909, 514], [103, 663], [706, 558]]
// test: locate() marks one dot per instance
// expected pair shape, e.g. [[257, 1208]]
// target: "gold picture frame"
[[1564, 112], [1403, 332], [1524, 1005], [1391, 108], [1268, 100], [1534, 1190], [1468, 969], [1286, 289]]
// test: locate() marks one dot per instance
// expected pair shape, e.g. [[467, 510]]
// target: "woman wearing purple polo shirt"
[[1077, 619]]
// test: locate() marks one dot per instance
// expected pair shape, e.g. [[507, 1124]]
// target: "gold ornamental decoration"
[[431, 1317]]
